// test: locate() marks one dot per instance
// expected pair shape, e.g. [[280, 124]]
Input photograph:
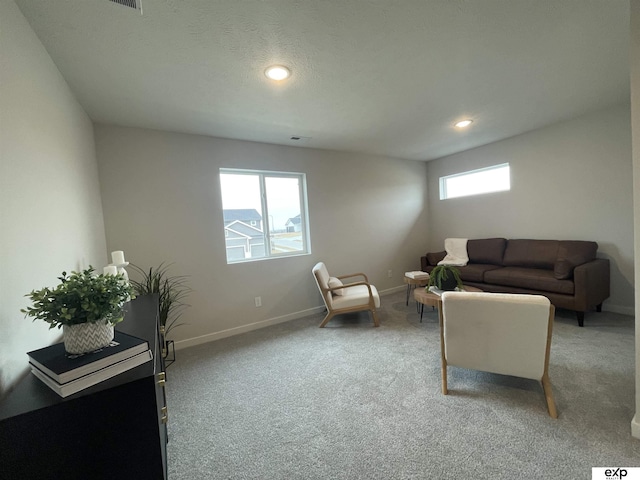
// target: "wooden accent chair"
[[346, 297], [508, 334]]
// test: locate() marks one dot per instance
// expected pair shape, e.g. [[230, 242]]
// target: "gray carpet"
[[351, 401]]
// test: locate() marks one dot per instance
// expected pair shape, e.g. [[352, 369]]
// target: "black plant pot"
[[449, 283]]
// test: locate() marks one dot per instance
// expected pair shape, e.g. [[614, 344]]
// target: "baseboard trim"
[[211, 337], [391, 290], [619, 309]]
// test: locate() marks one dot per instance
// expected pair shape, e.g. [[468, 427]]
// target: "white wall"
[[162, 203], [635, 125], [50, 207], [569, 181]]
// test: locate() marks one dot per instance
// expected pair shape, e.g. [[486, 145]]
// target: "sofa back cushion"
[[531, 253], [572, 253], [434, 258], [486, 251]]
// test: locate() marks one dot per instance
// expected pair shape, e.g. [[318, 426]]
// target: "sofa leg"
[[599, 308], [580, 318]]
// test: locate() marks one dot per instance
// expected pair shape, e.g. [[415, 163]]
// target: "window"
[[475, 182], [265, 214]]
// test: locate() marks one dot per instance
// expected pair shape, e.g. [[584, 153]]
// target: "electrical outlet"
[[389, 274], [258, 301]]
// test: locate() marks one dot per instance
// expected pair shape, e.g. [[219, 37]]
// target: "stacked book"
[[419, 275], [436, 290], [67, 374], [439, 292]]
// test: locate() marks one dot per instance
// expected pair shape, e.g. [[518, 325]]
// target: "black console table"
[[113, 430]]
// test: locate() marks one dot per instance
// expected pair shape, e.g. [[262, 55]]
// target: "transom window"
[[475, 182], [265, 214]]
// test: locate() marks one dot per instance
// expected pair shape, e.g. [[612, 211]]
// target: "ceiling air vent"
[[299, 138], [135, 4]]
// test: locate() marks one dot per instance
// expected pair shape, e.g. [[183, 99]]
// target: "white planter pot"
[[87, 337]]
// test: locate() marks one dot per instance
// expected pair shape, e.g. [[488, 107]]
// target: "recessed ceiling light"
[[277, 72], [463, 123]]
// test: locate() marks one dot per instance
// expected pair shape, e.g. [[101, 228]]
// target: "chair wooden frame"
[[331, 311], [546, 383]]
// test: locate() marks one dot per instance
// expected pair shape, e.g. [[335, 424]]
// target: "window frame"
[[443, 181], [266, 223]]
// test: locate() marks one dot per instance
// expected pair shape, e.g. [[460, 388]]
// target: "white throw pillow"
[[334, 282]]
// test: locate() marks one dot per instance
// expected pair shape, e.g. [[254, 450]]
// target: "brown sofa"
[[567, 272]]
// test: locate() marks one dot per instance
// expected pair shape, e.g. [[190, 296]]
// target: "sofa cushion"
[[531, 253], [572, 253], [486, 250], [434, 258], [474, 272], [530, 278]]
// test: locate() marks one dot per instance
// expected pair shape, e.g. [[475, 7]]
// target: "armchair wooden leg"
[[445, 390], [326, 319], [551, 405], [376, 321]]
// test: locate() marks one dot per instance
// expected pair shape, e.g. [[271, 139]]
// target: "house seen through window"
[[265, 214]]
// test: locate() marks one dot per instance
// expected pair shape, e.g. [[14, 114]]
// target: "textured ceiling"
[[378, 76]]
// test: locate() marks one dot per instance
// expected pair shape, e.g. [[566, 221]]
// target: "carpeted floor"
[[351, 401]]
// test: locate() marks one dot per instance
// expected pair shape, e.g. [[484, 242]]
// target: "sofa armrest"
[[431, 259], [591, 283]]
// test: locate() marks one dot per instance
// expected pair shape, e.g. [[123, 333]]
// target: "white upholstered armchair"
[[342, 297], [508, 334]]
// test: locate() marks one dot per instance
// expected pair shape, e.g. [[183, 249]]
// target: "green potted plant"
[[445, 277], [85, 305], [172, 290]]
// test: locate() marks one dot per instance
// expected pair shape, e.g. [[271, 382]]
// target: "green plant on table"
[[81, 297], [172, 291], [441, 274]]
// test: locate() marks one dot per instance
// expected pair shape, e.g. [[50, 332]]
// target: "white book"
[[75, 386], [417, 275], [439, 292]]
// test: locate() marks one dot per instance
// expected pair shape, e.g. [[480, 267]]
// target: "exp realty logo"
[[615, 473]]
